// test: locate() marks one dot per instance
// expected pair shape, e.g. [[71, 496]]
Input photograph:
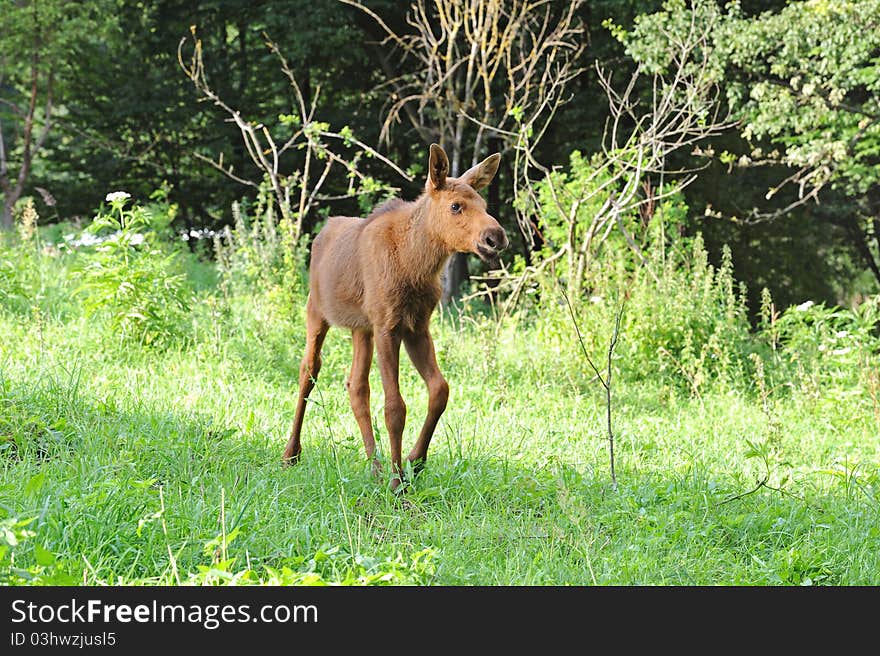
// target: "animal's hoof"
[[376, 468], [289, 459], [399, 484]]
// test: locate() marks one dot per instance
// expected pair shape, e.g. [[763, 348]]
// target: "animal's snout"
[[494, 239], [491, 240]]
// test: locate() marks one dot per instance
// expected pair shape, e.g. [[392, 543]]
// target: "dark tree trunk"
[[456, 271], [860, 241], [8, 204], [454, 275]]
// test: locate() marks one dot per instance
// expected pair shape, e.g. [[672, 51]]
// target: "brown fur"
[[380, 278]]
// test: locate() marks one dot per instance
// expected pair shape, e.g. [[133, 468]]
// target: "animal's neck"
[[423, 253]]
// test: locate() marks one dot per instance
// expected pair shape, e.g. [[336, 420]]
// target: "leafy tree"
[[36, 39], [804, 83], [134, 121], [475, 73]]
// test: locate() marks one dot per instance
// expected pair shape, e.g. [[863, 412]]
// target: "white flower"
[[136, 239], [803, 307], [842, 351], [840, 334], [87, 239], [203, 233], [116, 195], [595, 299]]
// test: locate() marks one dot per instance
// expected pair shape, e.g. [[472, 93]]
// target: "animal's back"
[[359, 276], [335, 280]]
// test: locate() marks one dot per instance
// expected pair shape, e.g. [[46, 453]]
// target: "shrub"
[[685, 321], [580, 237], [828, 346], [33, 272], [690, 323], [259, 255], [132, 277]]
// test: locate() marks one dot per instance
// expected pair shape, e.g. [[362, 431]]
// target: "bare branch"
[[681, 111], [306, 134], [226, 171], [606, 381], [467, 71]]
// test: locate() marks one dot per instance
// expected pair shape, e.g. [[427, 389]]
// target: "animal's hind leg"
[[316, 329], [420, 347], [359, 388]]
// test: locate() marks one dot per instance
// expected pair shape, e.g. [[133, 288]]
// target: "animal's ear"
[[438, 167], [481, 175]]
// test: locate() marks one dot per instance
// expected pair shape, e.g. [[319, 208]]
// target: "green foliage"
[[37, 38], [52, 27], [260, 252], [33, 271], [690, 324], [805, 78], [583, 178], [44, 568], [652, 39], [132, 277], [827, 346], [686, 321], [14, 288], [132, 120], [327, 566], [568, 202], [12, 533], [146, 486], [803, 82], [810, 76]]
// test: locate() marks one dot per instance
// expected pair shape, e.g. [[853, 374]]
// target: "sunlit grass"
[[97, 437]]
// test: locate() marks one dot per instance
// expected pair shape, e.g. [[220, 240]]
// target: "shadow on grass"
[[114, 489]]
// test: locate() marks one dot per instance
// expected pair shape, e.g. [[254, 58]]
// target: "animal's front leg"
[[359, 389], [420, 347], [388, 357]]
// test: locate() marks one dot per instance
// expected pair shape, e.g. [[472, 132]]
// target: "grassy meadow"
[[146, 394]]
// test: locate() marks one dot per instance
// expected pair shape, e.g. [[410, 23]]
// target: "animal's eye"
[[456, 208]]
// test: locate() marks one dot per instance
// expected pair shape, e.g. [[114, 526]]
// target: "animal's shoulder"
[[337, 230]]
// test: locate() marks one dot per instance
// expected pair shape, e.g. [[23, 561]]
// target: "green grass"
[[132, 461]]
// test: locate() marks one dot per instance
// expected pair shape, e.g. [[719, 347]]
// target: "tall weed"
[[134, 278]]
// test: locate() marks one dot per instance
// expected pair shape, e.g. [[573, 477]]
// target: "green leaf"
[[44, 557], [35, 483]]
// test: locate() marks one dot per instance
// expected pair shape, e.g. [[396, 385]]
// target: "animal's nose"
[[495, 238]]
